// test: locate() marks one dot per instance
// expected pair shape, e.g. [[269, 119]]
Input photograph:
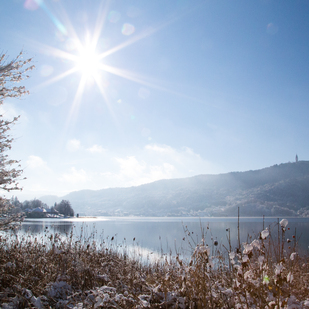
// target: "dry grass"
[[53, 272]]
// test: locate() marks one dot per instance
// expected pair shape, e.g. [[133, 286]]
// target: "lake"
[[152, 237]]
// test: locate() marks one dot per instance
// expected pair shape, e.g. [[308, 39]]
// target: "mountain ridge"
[[277, 190]]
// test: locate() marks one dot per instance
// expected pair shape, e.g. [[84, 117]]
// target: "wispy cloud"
[[155, 162], [35, 162], [8, 111], [73, 145], [184, 156], [96, 149], [134, 172], [75, 176], [130, 166], [144, 165], [159, 148]]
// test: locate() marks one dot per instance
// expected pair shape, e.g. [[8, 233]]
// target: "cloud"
[[35, 162], [184, 156], [75, 176], [164, 151], [122, 169], [155, 162], [39, 176], [10, 111], [73, 145], [96, 149], [134, 172], [130, 166], [163, 171], [159, 149]]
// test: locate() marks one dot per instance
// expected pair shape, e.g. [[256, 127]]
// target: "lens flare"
[[127, 29], [272, 28], [31, 5], [114, 16]]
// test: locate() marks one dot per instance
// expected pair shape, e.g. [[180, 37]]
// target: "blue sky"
[[128, 92]]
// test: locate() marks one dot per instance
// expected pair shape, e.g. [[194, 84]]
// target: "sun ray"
[[55, 79], [101, 19], [49, 50], [132, 77], [76, 103], [144, 34], [108, 103], [62, 54], [129, 42], [71, 33], [53, 18]]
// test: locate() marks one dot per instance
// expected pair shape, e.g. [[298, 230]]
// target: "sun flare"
[[88, 62]]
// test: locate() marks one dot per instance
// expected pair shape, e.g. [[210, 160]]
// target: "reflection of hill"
[[278, 190]]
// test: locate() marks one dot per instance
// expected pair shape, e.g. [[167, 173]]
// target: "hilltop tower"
[[296, 158]]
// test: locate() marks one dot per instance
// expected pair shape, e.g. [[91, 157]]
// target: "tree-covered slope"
[[277, 190]]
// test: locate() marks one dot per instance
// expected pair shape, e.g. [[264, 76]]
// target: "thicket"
[[52, 272]]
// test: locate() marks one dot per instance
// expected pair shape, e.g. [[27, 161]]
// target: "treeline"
[[64, 207]]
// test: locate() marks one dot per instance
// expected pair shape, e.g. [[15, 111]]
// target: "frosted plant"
[[256, 243], [284, 223], [292, 256], [245, 258], [264, 234], [200, 249], [278, 268], [247, 248], [290, 277], [261, 261]]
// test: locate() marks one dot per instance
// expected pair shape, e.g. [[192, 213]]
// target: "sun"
[[87, 61]]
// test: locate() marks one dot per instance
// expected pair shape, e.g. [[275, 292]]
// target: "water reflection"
[[167, 236], [42, 226]]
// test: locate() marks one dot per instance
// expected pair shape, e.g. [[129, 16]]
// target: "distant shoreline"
[[167, 218]]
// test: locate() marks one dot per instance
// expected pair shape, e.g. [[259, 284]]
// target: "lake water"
[[152, 237]]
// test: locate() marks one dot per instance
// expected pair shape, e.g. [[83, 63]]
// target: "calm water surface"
[[155, 236]]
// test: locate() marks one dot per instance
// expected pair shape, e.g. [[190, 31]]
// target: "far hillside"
[[279, 190]]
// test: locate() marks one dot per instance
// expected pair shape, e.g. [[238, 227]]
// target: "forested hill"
[[279, 190]]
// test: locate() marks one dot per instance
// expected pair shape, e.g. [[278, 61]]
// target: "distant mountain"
[[279, 190], [50, 200]]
